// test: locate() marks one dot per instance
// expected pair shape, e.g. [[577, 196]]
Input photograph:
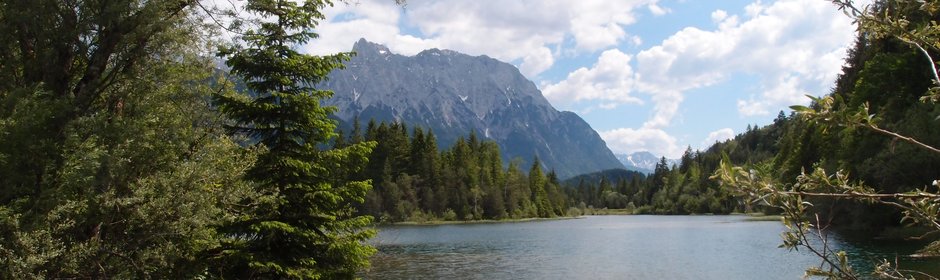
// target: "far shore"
[[439, 222], [752, 217]]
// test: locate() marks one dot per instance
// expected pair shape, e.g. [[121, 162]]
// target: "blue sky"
[[648, 75]]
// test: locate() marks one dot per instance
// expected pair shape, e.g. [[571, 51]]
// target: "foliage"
[[684, 188], [112, 161], [415, 181], [115, 164], [882, 109], [302, 225]]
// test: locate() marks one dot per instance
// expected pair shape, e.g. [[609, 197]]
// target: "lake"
[[603, 247]]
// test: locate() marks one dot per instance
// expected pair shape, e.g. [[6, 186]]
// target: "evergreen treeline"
[[887, 75], [684, 188], [415, 181]]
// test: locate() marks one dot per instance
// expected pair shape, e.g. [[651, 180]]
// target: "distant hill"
[[454, 94], [644, 162], [611, 175]]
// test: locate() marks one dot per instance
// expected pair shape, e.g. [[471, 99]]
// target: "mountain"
[[642, 161], [455, 94]]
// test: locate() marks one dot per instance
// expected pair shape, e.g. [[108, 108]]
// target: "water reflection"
[[599, 247]]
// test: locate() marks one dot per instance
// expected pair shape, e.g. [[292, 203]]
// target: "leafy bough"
[[919, 206]]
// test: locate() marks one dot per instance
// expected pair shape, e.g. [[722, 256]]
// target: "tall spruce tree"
[[539, 195], [303, 226]]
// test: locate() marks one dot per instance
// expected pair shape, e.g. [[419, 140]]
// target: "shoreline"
[[595, 212], [437, 222]]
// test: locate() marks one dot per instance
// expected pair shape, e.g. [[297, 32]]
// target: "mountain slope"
[[455, 94], [644, 162]]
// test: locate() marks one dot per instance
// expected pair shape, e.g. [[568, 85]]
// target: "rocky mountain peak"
[[643, 161], [455, 94], [366, 48]]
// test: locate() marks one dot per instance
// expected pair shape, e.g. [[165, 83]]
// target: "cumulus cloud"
[[666, 104], [521, 32], [598, 24], [719, 15], [636, 40], [657, 10], [537, 62], [610, 79], [377, 21], [784, 91], [717, 136], [628, 140], [794, 46]]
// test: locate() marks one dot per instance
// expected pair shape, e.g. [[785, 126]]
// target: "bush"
[[449, 215], [574, 212]]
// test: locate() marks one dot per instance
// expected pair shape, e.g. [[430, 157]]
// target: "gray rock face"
[[644, 162], [454, 94]]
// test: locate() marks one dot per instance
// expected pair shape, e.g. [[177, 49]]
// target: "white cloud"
[[657, 10], [636, 40], [666, 104], [794, 46], [537, 62], [598, 24], [719, 15], [628, 140], [717, 136], [521, 32], [376, 21], [754, 9], [610, 79], [785, 91]]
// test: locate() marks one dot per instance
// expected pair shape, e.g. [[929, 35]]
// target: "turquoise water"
[[599, 247]]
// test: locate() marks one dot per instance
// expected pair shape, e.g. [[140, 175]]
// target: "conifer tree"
[[303, 225], [539, 195]]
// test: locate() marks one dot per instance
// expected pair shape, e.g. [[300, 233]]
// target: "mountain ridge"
[[644, 162], [454, 94]]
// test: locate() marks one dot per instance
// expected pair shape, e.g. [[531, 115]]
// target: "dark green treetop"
[[303, 226]]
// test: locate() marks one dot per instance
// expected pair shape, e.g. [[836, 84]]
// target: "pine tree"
[[303, 226], [537, 183]]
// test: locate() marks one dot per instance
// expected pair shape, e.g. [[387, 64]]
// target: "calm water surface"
[[600, 247]]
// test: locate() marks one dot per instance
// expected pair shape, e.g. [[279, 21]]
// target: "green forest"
[[413, 180], [127, 152], [885, 75]]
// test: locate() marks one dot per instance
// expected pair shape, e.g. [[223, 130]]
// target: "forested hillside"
[[684, 188], [888, 77], [884, 74], [126, 154], [415, 181]]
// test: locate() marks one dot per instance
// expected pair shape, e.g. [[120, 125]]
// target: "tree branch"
[[861, 195], [903, 138]]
